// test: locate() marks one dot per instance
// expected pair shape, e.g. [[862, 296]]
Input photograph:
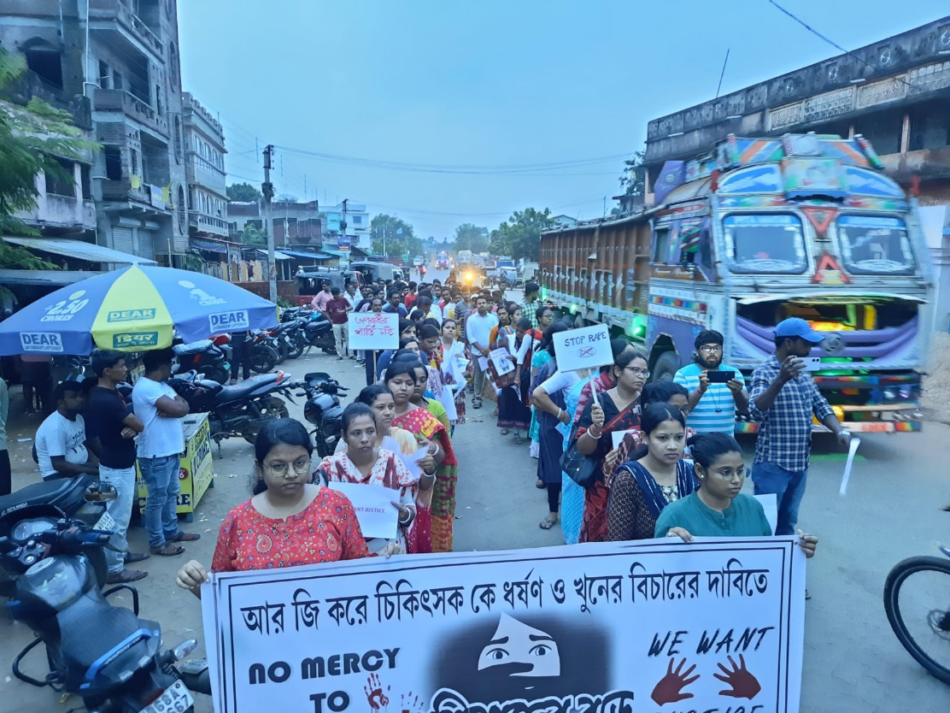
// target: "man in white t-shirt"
[[61, 438], [478, 328], [160, 445]]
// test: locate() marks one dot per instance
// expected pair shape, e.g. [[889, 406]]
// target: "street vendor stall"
[[195, 474]]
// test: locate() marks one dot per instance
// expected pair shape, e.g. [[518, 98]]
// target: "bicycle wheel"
[[917, 602]]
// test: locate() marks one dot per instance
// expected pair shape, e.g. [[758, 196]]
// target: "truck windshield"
[[875, 245], [765, 243]]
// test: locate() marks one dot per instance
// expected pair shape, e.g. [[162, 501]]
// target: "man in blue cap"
[[782, 398]]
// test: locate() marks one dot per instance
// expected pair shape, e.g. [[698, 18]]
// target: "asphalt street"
[[852, 661]]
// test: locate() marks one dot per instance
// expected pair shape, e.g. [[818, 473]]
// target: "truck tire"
[[666, 367]]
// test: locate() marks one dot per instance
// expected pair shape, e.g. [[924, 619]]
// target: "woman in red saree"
[[615, 411], [401, 380]]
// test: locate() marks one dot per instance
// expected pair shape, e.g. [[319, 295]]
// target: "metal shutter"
[[146, 244], [122, 240]]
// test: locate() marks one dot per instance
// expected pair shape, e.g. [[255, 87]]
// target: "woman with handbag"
[[616, 410], [655, 476]]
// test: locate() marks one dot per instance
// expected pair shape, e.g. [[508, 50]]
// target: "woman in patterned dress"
[[655, 476], [289, 521]]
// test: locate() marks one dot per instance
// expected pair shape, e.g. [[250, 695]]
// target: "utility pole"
[[345, 263], [267, 190]]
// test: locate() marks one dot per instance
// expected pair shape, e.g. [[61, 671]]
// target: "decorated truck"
[[760, 230]]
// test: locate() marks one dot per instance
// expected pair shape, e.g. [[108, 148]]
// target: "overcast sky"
[[485, 83]]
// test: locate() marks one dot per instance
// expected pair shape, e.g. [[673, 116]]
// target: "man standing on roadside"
[[61, 438], [712, 405], [319, 301], [160, 446], [117, 428], [395, 305], [782, 398], [337, 309], [350, 295], [478, 332], [529, 308]]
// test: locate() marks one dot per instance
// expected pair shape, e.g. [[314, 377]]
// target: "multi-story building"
[[204, 171], [357, 224]]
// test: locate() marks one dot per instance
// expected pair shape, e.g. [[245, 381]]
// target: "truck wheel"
[[666, 367]]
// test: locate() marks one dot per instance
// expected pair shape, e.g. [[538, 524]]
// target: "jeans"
[[161, 477], [123, 480], [340, 336], [789, 489]]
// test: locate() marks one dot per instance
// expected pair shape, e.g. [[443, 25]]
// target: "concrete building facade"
[[357, 224], [204, 171]]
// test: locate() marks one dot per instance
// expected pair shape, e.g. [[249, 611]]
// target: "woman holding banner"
[[401, 380], [430, 345], [289, 521], [655, 476], [616, 410], [364, 462], [514, 411]]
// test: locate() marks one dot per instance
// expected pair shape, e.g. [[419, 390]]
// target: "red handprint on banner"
[[374, 693], [743, 684], [410, 703], [670, 688]]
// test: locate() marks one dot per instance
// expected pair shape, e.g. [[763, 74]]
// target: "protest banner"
[[586, 348], [499, 357], [373, 330], [374, 508], [604, 628]]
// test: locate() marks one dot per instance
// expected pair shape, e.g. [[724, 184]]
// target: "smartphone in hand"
[[720, 377]]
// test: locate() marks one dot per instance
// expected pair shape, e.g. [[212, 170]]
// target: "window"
[[661, 246], [158, 98], [113, 158], [117, 81], [875, 245], [134, 160], [44, 60], [357, 219], [104, 75], [61, 182], [84, 177], [765, 243]]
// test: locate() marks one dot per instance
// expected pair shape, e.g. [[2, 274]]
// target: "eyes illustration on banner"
[[520, 644]]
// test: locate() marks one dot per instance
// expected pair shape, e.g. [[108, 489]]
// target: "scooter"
[[107, 655], [239, 410], [323, 410], [210, 357]]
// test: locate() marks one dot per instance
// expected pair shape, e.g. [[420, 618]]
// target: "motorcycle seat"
[[317, 326], [242, 389], [202, 345], [60, 492], [91, 628]]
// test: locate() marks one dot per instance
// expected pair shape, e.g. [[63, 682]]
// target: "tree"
[[520, 235], [32, 140], [244, 193], [633, 180], [469, 236], [397, 235], [252, 236]]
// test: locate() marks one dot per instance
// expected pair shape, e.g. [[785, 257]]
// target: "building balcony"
[[204, 224], [61, 213], [928, 164], [141, 197], [118, 100], [114, 17]]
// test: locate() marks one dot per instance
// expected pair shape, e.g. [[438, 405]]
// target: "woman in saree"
[[454, 363], [499, 333], [514, 410], [401, 380], [613, 411], [430, 346], [542, 356]]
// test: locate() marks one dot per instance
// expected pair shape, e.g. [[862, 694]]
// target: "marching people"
[[337, 310], [478, 328], [117, 428], [160, 445], [655, 476], [514, 411], [615, 410], [395, 305], [288, 521], [62, 446], [782, 398], [364, 461], [430, 345], [713, 405], [455, 364]]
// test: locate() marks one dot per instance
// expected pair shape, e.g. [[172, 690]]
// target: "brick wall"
[[287, 289]]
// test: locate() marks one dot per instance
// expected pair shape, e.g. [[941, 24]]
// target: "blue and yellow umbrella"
[[133, 309]]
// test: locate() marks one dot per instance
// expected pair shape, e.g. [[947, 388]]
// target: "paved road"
[[853, 663]]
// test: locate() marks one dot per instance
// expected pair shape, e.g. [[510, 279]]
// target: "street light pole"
[[267, 190]]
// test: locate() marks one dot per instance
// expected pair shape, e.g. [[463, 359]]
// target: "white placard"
[[617, 436], [499, 357], [849, 464], [586, 348], [373, 330], [374, 508], [461, 632], [483, 363]]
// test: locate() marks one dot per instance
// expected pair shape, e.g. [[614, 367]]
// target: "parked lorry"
[[760, 230]]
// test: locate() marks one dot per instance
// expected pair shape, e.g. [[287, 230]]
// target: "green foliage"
[[253, 236], [520, 235], [396, 243], [31, 139], [633, 180], [13, 257], [193, 260], [469, 236], [243, 193]]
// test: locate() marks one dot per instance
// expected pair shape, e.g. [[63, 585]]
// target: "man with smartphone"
[[782, 398], [716, 391]]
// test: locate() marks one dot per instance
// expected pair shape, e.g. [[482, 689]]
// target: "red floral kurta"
[[326, 531]]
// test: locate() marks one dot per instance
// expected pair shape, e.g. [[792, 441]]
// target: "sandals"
[[504, 431], [476, 403], [125, 576], [168, 550], [547, 523], [518, 439], [540, 484], [183, 536]]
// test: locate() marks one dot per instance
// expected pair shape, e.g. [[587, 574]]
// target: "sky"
[[487, 87]]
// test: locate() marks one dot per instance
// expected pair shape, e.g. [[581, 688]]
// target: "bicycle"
[[911, 607]]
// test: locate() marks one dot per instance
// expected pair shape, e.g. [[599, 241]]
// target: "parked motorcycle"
[[264, 356], [323, 410], [238, 410], [105, 654], [209, 357], [319, 333]]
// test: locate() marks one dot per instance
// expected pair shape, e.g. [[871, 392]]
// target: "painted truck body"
[[760, 230]]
